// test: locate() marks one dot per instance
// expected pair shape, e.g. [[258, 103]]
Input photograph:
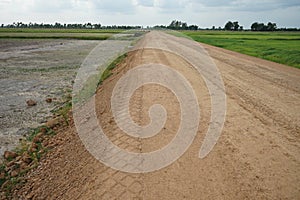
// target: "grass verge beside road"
[[280, 47]]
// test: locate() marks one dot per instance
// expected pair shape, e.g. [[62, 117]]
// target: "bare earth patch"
[[35, 70]]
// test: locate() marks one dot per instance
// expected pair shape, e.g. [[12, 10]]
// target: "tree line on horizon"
[[67, 26], [229, 26], [234, 26], [174, 25], [178, 25]]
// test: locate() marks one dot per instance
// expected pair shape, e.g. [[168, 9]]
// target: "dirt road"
[[256, 157]]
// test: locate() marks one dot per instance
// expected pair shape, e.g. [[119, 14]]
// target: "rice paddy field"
[[280, 47], [82, 34]]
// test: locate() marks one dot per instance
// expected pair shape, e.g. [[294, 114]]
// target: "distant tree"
[[193, 27], [159, 27], [236, 26], [213, 28], [58, 25], [254, 26], [97, 26], [262, 27], [271, 26], [229, 26], [288, 29], [172, 25], [184, 26], [241, 28], [88, 25], [178, 25]]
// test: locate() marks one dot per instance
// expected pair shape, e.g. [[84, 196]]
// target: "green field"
[[280, 47], [83, 34]]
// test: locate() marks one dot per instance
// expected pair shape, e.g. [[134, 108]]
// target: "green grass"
[[94, 81], [64, 108], [280, 47], [82, 34], [78, 36], [45, 30], [107, 72]]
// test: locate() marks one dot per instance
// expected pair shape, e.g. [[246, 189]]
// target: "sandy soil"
[[256, 157]]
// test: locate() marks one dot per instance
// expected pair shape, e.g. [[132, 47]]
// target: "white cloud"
[[52, 6], [115, 6], [263, 5], [213, 3], [145, 3], [171, 4]]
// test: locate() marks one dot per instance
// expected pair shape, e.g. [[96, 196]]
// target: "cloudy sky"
[[205, 13]]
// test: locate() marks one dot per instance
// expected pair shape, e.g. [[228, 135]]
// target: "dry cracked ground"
[[256, 157]]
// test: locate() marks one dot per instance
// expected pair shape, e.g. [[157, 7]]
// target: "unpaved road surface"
[[256, 157]]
